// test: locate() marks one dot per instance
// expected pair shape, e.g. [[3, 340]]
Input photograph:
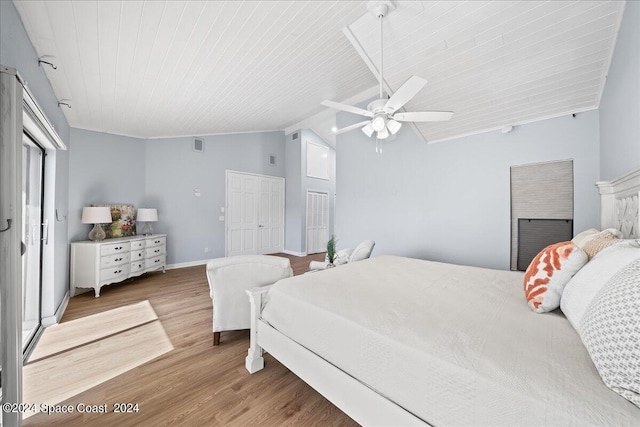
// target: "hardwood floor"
[[194, 384]]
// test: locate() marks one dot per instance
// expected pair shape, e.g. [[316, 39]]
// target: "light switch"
[[221, 218], [196, 191], [222, 209]]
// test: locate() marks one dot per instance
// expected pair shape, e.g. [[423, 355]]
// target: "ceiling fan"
[[384, 118]]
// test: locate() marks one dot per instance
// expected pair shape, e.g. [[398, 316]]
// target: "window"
[[542, 191]]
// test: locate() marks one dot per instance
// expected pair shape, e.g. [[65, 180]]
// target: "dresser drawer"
[[156, 241], [137, 255], [113, 260], [115, 248], [137, 244], [155, 251], [137, 267], [156, 262], [115, 274]]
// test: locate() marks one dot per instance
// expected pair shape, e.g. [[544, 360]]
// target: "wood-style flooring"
[[194, 384]]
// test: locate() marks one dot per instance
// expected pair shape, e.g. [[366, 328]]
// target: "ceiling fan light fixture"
[[393, 126], [368, 130], [383, 134], [378, 123]]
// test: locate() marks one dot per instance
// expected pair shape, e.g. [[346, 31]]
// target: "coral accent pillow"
[[548, 274]]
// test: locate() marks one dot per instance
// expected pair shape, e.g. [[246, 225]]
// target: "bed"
[[400, 341]]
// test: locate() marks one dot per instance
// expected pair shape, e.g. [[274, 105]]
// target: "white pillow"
[[584, 286]]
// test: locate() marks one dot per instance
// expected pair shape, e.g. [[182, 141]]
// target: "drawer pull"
[[157, 241], [157, 260], [117, 271], [118, 248], [118, 259], [157, 250]]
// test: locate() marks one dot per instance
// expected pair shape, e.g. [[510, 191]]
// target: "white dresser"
[[96, 264]]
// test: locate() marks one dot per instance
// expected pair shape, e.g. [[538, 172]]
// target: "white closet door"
[[255, 214], [271, 216], [242, 215], [317, 222]]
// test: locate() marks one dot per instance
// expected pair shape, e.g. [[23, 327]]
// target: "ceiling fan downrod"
[[381, 11]]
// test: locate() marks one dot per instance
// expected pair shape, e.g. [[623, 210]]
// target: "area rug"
[[90, 351]]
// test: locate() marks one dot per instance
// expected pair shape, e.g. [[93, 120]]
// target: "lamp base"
[[148, 229], [97, 234]]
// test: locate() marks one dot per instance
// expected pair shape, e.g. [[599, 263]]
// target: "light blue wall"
[[174, 170], [620, 104], [450, 201], [294, 207], [323, 185], [298, 183], [16, 51], [103, 168]]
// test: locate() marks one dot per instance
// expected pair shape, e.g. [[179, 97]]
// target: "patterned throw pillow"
[[610, 331], [548, 274], [604, 240], [581, 239]]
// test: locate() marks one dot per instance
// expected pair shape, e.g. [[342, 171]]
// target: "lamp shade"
[[147, 215], [96, 215]]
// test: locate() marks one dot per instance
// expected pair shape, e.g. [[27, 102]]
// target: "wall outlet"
[[196, 192], [222, 209], [206, 250]]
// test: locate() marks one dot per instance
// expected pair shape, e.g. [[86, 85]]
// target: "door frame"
[[28, 349], [306, 215], [226, 205]]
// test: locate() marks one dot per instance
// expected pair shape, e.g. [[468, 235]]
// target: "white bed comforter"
[[454, 345]]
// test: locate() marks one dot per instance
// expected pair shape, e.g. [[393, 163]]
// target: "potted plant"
[[331, 251]]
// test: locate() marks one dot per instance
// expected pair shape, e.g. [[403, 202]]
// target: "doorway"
[[254, 214], [317, 221], [33, 231]]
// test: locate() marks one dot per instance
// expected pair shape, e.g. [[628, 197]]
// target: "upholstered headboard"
[[619, 199]]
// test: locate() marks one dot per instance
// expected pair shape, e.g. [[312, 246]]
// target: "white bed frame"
[[619, 199]]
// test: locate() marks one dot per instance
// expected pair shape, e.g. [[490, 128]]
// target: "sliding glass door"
[[32, 230]]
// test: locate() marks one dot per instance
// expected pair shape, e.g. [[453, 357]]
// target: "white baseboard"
[[187, 264], [288, 252], [55, 319]]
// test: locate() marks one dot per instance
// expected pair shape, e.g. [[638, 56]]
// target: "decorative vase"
[[97, 234]]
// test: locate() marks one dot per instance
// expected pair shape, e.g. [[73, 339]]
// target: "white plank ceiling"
[[184, 68]]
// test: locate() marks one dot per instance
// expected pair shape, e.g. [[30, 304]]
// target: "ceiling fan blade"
[[352, 127], [347, 108], [408, 90], [424, 116]]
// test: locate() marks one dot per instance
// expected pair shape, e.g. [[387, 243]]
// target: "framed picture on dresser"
[[123, 220]]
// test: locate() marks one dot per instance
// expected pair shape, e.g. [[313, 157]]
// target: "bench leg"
[[216, 338]]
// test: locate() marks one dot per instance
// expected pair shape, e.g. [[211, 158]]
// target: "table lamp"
[[147, 216], [96, 216]]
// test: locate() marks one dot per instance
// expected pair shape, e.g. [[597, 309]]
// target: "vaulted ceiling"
[[174, 68]]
